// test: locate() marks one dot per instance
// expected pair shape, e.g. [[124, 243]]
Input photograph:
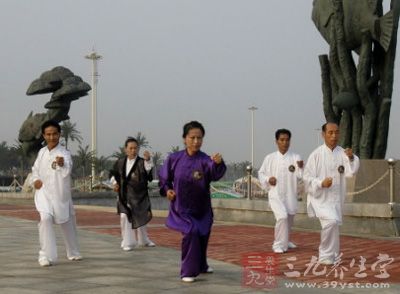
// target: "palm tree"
[[69, 132], [142, 141], [83, 161], [120, 153], [102, 163], [157, 161], [18, 153], [174, 149]]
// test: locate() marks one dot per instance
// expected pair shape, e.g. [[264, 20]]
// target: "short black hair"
[[323, 128], [282, 132], [192, 125], [129, 140], [51, 123]]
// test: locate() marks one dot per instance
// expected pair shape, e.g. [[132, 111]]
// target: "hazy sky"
[[166, 62]]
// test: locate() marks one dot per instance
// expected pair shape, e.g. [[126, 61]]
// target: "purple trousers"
[[194, 254]]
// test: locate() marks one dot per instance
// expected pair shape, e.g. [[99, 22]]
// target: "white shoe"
[[150, 244], [75, 258], [188, 279], [326, 261], [209, 270], [127, 248], [291, 245], [278, 250], [43, 261]]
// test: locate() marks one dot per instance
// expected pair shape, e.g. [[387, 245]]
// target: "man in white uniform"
[[51, 177], [324, 175], [279, 174]]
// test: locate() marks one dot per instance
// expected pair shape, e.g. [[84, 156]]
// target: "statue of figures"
[[358, 98], [65, 87]]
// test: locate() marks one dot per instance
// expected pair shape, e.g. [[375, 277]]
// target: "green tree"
[[102, 163], [70, 132], [157, 161], [120, 153], [174, 149], [142, 141], [83, 161], [10, 158], [19, 155]]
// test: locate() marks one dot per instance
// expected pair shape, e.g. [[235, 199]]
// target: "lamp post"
[[252, 109], [249, 168], [318, 136], [94, 57], [391, 162]]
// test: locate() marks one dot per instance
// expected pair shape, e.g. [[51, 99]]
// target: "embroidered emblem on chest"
[[341, 169], [292, 168], [197, 175]]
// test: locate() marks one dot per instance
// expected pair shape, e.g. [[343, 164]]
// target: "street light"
[[94, 57], [318, 136], [252, 109]]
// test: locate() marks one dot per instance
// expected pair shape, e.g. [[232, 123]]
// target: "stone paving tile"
[[228, 243]]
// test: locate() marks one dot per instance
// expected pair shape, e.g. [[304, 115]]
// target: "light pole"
[[252, 109], [94, 57], [249, 169], [318, 136]]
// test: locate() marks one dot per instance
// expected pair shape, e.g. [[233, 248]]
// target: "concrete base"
[[358, 218]]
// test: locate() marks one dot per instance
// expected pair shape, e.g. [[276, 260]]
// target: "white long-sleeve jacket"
[[327, 203], [54, 197], [283, 196]]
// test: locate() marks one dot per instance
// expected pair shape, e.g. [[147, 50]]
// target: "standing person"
[[131, 175], [185, 179], [324, 175], [51, 177], [279, 174]]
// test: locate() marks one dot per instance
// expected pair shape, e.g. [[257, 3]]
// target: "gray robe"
[[133, 196]]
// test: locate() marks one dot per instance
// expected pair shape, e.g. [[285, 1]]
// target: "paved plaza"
[[107, 269]]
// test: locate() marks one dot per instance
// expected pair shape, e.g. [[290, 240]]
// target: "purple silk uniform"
[[190, 212]]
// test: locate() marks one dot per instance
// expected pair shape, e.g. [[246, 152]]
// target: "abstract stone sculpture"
[[65, 87], [358, 98]]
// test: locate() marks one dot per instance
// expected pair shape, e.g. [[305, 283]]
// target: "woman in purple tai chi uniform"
[[185, 179]]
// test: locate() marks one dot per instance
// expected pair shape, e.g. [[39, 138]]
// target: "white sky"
[[166, 62]]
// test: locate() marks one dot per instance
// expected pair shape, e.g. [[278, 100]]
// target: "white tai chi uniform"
[[132, 237], [54, 203], [327, 203], [283, 196]]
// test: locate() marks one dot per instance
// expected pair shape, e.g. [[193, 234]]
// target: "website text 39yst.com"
[[339, 285]]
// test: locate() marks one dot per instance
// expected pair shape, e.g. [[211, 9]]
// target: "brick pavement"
[[229, 241]]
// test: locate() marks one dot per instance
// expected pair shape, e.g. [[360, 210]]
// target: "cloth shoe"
[[188, 279], [127, 248], [148, 244], [75, 258], [278, 250], [209, 270], [43, 261], [326, 261]]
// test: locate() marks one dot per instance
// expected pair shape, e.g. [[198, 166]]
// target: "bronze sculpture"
[[65, 87], [358, 97]]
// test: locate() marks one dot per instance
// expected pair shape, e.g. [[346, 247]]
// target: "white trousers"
[[47, 237], [330, 242], [283, 227], [132, 237]]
